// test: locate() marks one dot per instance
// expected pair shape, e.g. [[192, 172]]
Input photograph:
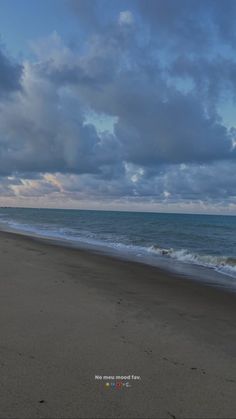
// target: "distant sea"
[[201, 245]]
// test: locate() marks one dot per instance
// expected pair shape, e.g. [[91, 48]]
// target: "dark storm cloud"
[[191, 24], [157, 124], [178, 23], [10, 74], [170, 184], [163, 133], [169, 141], [213, 79], [42, 131]]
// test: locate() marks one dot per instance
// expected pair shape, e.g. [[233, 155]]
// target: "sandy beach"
[[68, 315]]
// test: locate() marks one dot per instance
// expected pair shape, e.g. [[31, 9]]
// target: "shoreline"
[[69, 314], [194, 272]]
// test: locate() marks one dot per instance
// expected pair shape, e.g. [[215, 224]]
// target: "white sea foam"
[[222, 264]]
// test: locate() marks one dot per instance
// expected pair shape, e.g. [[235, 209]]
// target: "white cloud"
[[100, 124], [126, 18]]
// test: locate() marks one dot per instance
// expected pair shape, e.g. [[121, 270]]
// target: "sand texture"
[[67, 315]]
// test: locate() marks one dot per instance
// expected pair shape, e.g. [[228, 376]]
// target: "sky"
[[118, 105]]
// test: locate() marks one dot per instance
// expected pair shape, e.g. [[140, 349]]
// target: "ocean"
[[203, 246]]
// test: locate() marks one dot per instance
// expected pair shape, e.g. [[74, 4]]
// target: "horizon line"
[[120, 210]]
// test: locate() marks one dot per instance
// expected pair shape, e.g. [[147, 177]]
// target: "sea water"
[[181, 242]]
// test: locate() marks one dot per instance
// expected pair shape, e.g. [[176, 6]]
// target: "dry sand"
[[68, 315]]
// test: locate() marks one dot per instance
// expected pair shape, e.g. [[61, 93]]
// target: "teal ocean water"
[[182, 242]]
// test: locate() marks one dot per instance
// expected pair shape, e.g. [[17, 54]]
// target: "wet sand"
[[67, 315]]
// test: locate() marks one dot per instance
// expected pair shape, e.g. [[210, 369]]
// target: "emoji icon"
[[107, 385], [118, 384], [127, 384]]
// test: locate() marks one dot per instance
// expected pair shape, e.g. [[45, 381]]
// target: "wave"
[[222, 264], [83, 237]]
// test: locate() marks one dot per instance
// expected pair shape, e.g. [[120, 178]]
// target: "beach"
[[68, 315]]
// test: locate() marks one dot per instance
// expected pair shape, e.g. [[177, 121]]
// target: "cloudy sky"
[[118, 104]]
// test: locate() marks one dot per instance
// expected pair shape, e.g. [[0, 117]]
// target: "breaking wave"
[[222, 264], [107, 232]]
